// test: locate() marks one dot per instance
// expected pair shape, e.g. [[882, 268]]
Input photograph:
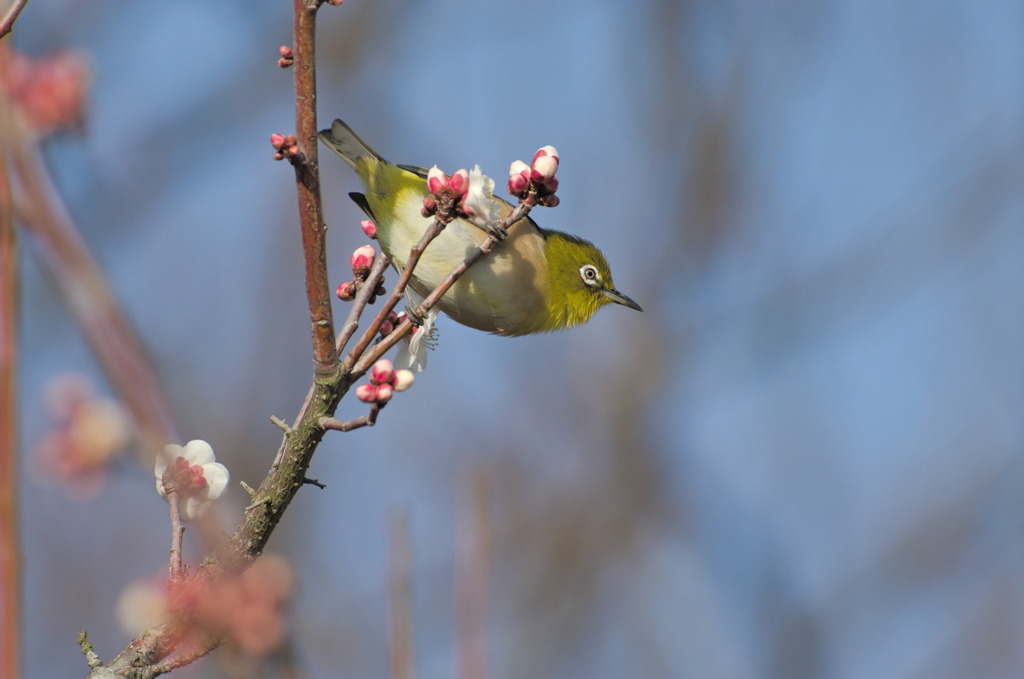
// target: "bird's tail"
[[343, 141]]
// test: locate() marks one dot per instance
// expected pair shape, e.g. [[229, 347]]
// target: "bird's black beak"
[[619, 298]]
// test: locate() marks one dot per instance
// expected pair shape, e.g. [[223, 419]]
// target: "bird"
[[538, 280]]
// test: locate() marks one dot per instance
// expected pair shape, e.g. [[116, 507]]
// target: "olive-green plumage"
[[536, 281]]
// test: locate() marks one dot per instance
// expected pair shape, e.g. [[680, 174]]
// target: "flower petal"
[[217, 477], [199, 452]]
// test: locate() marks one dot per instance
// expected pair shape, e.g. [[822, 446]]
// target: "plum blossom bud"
[[382, 372], [544, 168], [429, 207], [362, 260], [384, 392], [518, 178], [367, 393], [436, 180], [459, 182], [369, 228], [403, 380], [277, 141], [549, 151], [347, 291], [551, 185], [287, 56]]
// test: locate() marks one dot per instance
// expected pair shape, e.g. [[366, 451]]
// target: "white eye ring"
[[590, 275]]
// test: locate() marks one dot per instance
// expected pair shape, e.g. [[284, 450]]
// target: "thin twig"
[[373, 279], [7, 22], [405, 327], [472, 577], [281, 424], [175, 567], [400, 590], [364, 421], [186, 658], [91, 658], [432, 232]]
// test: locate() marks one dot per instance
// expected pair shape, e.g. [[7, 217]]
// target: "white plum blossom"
[[192, 471], [479, 204], [412, 353]]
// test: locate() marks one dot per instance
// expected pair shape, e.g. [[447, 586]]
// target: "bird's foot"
[[414, 317], [497, 232]]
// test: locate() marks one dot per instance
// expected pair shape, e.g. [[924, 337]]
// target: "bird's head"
[[579, 281]]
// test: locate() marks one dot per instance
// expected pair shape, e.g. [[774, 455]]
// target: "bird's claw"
[[414, 317], [497, 232]]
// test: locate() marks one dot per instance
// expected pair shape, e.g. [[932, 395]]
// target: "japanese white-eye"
[[535, 281]]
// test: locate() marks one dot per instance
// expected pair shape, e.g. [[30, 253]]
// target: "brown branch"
[[364, 421], [7, 22], [10, 542], [85, 290], [307, 182]]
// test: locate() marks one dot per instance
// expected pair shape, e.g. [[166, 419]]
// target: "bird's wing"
[[360, 200], [421, 171]]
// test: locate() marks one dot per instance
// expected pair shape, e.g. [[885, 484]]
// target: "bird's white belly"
[[500, 293]]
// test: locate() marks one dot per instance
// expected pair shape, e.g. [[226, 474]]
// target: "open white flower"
[[412, 352], [194, 473], [479, 203]]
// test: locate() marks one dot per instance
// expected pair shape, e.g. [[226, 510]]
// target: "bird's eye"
[[589, 274]]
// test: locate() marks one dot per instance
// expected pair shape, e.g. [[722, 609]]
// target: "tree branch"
[[7, 22], [10, 542], [307, 182]]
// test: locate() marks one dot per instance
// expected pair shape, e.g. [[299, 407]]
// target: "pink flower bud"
[[551, 185], [277, 141], [384, 392], [549, 151], [544, 168], [403, 379], [459, 182], [386, 328], [367, 393], [369, 228], [362, 260], [347, 291], [382, 372], [436, 180], [429, 206], [286, 51], [518, 184]]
